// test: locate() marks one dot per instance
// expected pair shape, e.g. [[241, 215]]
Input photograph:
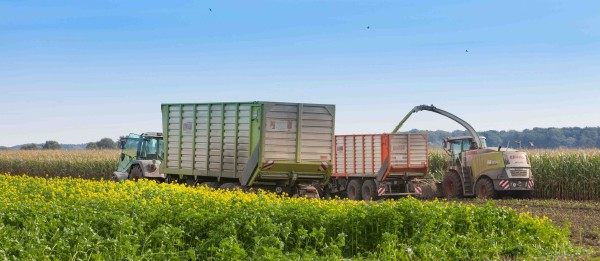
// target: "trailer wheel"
[[484, 188], [428, 191], [190, 181], [229, 186], [452, 185], [135, 173], [211, 184], [369, 190], [354, 189]]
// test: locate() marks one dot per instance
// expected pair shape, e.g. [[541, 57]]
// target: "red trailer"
[[370, 166]]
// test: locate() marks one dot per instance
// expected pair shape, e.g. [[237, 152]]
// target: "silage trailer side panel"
[[389, 155], [264, 142]]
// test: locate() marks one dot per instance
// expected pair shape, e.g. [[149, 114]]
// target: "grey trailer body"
[[249, 143]]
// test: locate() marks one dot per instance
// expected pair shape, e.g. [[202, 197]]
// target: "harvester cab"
[[477, 170], [454, 146], [140, 157]]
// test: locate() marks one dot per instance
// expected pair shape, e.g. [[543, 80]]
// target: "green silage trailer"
[[284, 147]]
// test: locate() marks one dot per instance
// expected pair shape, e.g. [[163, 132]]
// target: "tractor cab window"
[[161, 149], [129, 151], [131, 145], [152, 149]]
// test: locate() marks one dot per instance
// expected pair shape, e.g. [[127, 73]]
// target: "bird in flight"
[[209, 9], [368, 27], [466, 51]]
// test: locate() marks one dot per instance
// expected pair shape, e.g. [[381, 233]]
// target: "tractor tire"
[[211, 184], [354, 189], [135, 173], [369, 190], [484, 189], [452, 185]]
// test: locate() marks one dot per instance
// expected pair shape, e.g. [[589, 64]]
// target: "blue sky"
[[77, 71]]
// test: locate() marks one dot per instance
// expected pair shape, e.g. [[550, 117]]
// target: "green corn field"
[[559, 174], [87, 164]]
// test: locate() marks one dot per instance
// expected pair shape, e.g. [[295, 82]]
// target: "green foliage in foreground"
[[70, 219]]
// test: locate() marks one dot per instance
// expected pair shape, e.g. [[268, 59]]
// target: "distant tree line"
[[105, 143], [49, 145], [540, 138]]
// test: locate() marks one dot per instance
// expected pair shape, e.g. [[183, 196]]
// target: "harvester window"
[[456, 149], [467, 144]]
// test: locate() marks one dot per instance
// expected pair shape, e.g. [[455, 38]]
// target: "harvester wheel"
[[135, 173], [452, 185], [354, 189], [369, 190], [484, 188]]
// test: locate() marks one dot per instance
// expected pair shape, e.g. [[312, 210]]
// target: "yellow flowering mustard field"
[[559, 174], [78, 219]]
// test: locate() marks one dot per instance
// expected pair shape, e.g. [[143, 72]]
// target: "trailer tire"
[[428, 191], [354, 189], [369, 190], [229, 186], [190, 181], [452, 185], [484, 188], [211, 184]]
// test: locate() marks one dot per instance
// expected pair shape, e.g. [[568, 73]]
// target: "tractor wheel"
[[484, 188], [369, 190], [452, 185], [354, 189], [135, 173], [211, 184]]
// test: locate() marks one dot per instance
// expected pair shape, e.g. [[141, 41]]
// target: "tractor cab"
[[140, 155]]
